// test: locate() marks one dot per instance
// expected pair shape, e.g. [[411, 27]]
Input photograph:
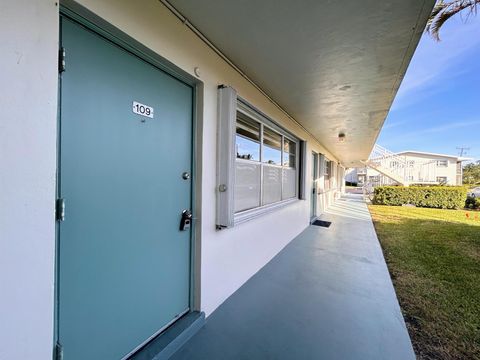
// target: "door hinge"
[[58, 351], [60, 210], [61, 60]]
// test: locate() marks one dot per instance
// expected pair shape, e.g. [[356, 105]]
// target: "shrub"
[[441, 197], [472, 203]]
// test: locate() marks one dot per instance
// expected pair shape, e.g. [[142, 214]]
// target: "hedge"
[[441, 197]]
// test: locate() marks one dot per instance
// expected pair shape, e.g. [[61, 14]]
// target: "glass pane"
[[272, 184], [289, 160], [247, 140], [289, 148], [289, 183], [272, 149], [247, 185]]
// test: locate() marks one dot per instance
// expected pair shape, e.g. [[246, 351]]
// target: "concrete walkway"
[[326, 295]]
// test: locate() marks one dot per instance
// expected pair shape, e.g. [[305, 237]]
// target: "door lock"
[[186, 220]]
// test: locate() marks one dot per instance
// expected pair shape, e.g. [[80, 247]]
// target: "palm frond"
[[443, 11], [439, 6]]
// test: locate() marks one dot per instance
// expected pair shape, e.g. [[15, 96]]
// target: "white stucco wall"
[[28, 99], [428, 171], [449, 171]]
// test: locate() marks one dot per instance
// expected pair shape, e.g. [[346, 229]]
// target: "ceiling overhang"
[[334, 66]]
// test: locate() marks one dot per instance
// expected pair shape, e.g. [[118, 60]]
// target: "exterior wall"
[[27, 191], [450, 171], [28, 98], [351, 175], [356, 175]]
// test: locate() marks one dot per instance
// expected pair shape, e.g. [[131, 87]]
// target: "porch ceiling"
[[335, 66]]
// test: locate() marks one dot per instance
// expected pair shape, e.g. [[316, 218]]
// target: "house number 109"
[[142, 109]]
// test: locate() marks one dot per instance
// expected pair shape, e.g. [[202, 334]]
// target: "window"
[[258, 162], [265, 165], [442, 179], [442, 163]]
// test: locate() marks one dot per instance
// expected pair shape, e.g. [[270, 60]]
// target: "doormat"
[[322, 223]]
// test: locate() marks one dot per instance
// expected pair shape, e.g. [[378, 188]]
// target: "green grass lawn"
[[434, 259]]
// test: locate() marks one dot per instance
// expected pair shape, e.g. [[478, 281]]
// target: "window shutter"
[[227, 109]]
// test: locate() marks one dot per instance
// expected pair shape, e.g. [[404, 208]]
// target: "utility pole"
[[462, 150]]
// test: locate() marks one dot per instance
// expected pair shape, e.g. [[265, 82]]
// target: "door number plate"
[[142, 109]]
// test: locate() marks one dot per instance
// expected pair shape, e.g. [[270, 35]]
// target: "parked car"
[[475, 192]]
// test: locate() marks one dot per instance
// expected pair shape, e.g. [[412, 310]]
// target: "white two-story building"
[[407, 168]]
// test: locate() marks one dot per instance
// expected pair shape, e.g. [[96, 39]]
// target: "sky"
[[437, 107]]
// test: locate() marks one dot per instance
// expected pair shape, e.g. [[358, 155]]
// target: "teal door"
[[125, 141]]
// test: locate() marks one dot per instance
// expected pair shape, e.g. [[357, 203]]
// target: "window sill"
[[251, 214]]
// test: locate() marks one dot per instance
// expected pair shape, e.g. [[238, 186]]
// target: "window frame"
[[248, 110], [228, 104]]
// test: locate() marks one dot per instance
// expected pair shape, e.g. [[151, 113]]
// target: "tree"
[[471, 174], [442, 11]]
